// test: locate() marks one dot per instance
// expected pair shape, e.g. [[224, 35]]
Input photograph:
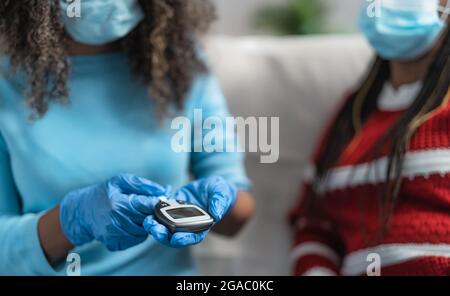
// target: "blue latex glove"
[[213, 194], [112, 212]]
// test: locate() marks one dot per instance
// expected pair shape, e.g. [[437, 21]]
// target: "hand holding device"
[[210, 197], [213, 194], [178, 216], [112, 212]]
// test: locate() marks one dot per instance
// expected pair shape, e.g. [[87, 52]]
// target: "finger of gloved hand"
[[184, 195], [130, 184], [186, 239], [122, 204], [159, 232], [176, 240], [143, 204], [218, 206], [221, 197], [127, 226]]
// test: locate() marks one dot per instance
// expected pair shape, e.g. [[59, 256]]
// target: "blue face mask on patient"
[[403, 29], [101, 21]]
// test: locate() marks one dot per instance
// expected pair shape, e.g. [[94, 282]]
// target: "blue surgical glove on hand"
[[112, 212], [213, 194]]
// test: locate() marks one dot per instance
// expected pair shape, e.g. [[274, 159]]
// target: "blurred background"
[[291, 59], [250, 17]]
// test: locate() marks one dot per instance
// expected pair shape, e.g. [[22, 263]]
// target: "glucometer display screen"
[[184, 213]]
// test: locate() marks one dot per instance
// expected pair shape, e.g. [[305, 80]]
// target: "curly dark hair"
[[162, 49]]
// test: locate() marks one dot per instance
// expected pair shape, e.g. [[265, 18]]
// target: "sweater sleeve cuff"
[[38, 261]]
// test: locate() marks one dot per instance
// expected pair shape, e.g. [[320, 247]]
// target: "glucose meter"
[[179, 216]]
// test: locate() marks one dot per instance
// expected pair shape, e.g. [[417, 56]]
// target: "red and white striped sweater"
[[339, 240]]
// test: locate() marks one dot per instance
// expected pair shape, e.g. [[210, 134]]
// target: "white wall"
[[236, 16]]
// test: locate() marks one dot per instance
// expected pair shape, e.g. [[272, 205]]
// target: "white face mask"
[[102, 21]]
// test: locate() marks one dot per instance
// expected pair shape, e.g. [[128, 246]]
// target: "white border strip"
[[356, 263], [314, 248], [416, 164]]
